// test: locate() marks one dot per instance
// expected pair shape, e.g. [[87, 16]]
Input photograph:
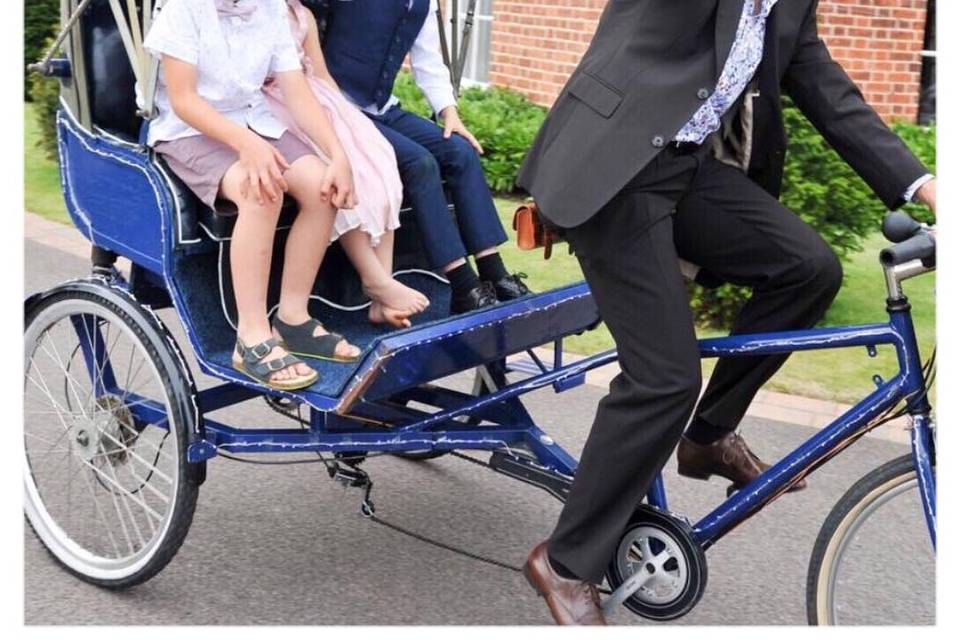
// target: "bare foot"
[[380, 314], [394, 295]]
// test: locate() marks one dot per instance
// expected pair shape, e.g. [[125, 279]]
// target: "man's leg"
[[477, 217], [627, 255], [739, 233], [439, 234]]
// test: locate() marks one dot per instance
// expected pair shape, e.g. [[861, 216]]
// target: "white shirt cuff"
[[440, 99], [911, 192]]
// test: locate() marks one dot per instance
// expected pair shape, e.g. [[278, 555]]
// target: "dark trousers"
[[426, 160], [693, 207]]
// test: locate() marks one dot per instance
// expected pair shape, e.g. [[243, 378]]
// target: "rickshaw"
[[117, 435]]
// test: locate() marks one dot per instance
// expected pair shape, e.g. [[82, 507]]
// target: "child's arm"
[[311, 46], [314, 120], [262, 163]]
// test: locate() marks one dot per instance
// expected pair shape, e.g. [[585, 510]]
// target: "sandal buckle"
[[276, 365], [255, 350]]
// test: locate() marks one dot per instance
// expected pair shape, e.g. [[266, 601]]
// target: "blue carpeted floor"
[[219, 336]]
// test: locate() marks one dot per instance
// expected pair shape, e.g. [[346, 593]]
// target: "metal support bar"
[[518, 388], [225, 395], [464, 44], [41, 65]]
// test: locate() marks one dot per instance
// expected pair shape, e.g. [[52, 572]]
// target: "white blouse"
[[234, 55]]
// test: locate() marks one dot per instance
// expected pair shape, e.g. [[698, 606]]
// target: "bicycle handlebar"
[[922, 246], [913, 241]]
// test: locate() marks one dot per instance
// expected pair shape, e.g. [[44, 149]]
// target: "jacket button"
[[703, 94], [657, 141]]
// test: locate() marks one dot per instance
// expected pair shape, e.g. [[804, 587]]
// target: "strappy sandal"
[[299, 340], [254, 366]]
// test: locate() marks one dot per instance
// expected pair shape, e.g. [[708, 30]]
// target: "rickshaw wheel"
[[663, 547], [108, 416]]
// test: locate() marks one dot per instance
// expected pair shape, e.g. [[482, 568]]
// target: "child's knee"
[[268, 209], [304, 179]]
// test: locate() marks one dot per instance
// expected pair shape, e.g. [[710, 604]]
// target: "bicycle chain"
[[368, 513]]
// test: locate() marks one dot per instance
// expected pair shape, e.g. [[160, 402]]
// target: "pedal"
[[529, 471], [349, 477]]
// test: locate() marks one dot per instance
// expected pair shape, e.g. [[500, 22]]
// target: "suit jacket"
[[651, 65]]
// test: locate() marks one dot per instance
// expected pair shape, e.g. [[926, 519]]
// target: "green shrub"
[[46, 99], [40, 19], [826, 193], [502, 120]]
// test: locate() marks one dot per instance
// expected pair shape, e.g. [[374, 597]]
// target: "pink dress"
[[375, 174]]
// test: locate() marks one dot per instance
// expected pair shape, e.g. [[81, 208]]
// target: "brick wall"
[[879, 42], [536, 44]]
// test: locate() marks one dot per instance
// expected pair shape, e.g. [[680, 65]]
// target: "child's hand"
[[337, 185], [263, 168]]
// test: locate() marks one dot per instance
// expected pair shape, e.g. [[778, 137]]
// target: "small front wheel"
[[873, 562], [107, 422]]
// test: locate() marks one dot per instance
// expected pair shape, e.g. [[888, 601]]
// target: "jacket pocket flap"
[[595, 94]]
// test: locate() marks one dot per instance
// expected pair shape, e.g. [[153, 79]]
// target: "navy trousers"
[[427, 161]]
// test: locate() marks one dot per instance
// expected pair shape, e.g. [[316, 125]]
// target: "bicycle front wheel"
[[873, 562]]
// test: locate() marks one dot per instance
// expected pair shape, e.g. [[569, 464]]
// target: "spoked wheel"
[[873, 562], [106, 428], [662, 548]]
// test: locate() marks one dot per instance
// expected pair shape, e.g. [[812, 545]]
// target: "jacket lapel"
[[728, 17]]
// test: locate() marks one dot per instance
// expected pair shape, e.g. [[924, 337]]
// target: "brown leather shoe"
[[728, 457], [571, 602]]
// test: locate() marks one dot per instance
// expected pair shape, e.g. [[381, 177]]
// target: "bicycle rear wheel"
[[873, 562], [108, 488]]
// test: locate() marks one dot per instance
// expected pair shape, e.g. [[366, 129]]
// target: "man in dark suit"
[[668, 143]]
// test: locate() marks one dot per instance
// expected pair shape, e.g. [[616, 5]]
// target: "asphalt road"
[[285, 545]]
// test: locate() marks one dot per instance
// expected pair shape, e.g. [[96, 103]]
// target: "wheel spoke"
[[106, 526]]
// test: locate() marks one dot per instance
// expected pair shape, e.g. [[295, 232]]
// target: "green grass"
[[843, 375], [42, 193]]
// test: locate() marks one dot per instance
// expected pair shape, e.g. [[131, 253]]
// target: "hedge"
[[46, 99], [817, 185], [502, 120], [826, 193], [40, 19]]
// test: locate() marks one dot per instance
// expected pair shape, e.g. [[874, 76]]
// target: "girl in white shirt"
[[216, 133]]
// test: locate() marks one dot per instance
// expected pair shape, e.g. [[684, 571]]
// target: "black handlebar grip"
[[898, 226], [922, 246]]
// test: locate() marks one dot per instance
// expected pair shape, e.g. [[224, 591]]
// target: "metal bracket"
[[624, 592]]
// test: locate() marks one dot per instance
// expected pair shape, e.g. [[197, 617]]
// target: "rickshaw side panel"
[[113, 193]]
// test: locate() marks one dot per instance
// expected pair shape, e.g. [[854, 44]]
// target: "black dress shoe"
[[511, 287], [483, 295]]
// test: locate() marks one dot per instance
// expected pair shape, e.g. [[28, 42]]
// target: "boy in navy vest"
[[365, 43]]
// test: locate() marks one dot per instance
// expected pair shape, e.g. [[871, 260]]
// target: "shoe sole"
[[298, 386], [696, 474]]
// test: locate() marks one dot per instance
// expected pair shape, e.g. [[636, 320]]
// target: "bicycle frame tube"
[[922, 445], [835, 437]]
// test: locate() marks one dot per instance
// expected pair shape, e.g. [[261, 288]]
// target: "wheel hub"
[[650, 551], [107, 433]]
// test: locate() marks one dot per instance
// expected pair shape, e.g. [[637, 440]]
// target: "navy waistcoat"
[[366, 41]]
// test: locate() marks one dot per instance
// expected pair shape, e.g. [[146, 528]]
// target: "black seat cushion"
[[110, 77]]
